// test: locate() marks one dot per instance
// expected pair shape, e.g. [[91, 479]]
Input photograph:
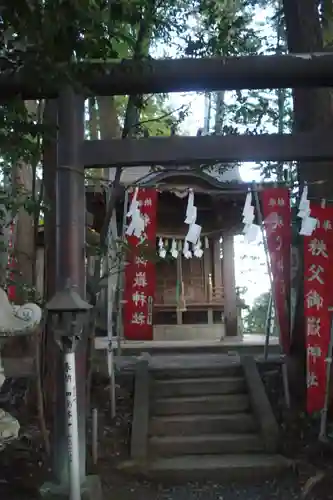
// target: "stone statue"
[[17, 320], [9, 428], [14, 321]]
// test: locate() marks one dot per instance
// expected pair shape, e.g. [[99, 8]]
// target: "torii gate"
[[135, 77]]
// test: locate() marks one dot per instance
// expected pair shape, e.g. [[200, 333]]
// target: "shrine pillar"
[[208, 277], [229, 285], [217, 264]]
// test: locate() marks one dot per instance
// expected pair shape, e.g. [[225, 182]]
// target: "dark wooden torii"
[[127, 77], [153, 76], [174, 150]]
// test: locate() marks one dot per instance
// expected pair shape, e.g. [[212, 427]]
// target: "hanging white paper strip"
[[191, 210], [161, 249], [162, 253], [193, 234], [251, 233], [304, 202], [186, 250], [248, 203], [198, 252], [192, 216], [248, 216], [134, 204], [304, 210], [308, 226], [137, 225], [174, 251], [190, 203]]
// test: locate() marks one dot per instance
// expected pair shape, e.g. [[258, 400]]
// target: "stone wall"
[[189, 332]]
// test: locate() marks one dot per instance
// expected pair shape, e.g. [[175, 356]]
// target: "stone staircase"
[[206, 423]]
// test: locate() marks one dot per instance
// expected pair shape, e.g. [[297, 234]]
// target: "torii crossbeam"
[[176, 75], [174, 150]]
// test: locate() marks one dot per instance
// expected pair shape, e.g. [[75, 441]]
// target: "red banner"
[[318, 288], [140, 273], [277, 219]]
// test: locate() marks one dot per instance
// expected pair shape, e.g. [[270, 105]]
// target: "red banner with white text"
[[140, 273], [318, 289], [277, 220]]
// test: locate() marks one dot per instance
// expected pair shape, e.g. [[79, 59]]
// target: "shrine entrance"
[[195, 297], [68, 154]]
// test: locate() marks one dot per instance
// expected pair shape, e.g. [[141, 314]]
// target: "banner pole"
[[111, 296], [324, 411], [121, 280], [296, 278], [110, 357], [268, 325], [269, 269]]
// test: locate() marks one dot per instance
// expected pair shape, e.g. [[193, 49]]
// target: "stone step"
[[186, 425], [198, 386], [169, 446], [228, 403], [221, 468], [227, 369]]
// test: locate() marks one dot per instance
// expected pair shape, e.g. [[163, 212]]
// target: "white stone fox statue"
[[14, 321], [17, 320]]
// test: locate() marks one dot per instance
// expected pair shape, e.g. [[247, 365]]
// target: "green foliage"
[[157, 117], [18, 134], [41, 37], [255, 318], [222, 29], [259, 111]]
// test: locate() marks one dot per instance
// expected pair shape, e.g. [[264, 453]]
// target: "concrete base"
[[91, 490], [247, 344], [205, 332]]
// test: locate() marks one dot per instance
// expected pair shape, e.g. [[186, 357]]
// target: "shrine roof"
[[212, 179], [216, 176]]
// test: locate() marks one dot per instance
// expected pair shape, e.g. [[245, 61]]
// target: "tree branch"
[[183, 107], [131, 117]]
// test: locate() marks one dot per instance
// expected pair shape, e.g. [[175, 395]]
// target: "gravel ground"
[[282, 490]]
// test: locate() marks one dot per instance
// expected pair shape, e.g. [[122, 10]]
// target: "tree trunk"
[[50, 349], [24, 186], [24, 231], [108, 121], [24, 243], [109, 129], [312, 108]]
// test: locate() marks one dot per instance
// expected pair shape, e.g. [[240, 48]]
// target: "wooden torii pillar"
[[229, 285], [69, 264]]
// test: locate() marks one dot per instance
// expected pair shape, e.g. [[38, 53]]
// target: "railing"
[[194, 293]]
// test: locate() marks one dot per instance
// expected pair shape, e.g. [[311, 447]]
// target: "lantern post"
[[68, 315]]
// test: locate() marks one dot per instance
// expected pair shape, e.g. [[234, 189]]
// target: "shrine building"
[[195, 298]]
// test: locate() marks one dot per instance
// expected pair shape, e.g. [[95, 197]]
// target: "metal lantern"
[[68, 314]]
